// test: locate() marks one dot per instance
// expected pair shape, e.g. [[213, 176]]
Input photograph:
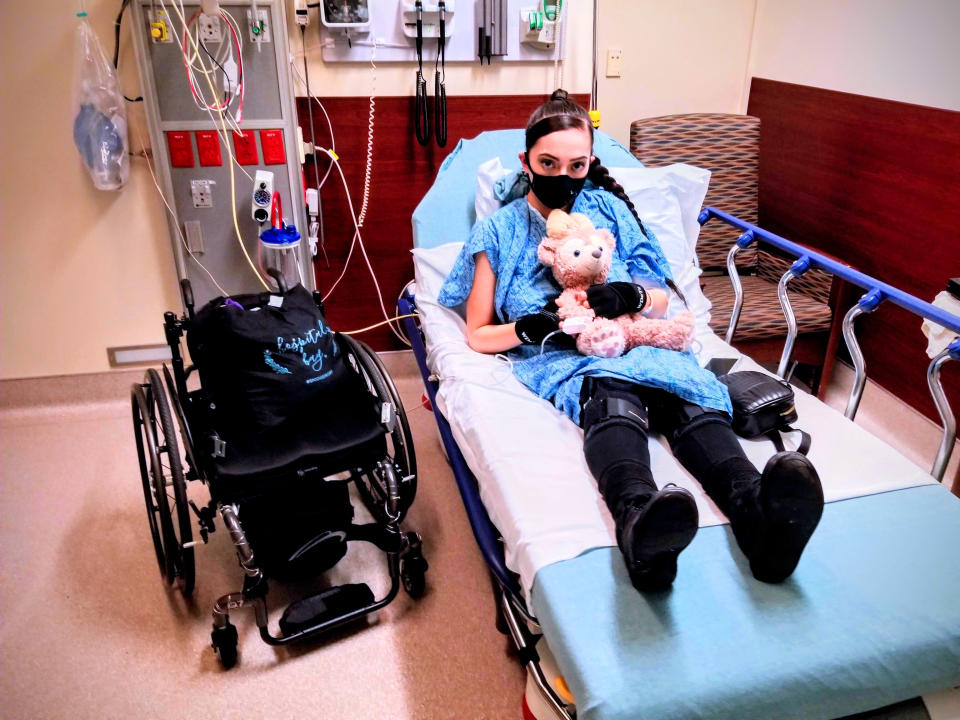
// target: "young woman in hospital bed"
[[509, 303]]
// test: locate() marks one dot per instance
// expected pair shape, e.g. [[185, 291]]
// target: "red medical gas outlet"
[[181, 149], [245, 147], [208, 148], [272, 143]]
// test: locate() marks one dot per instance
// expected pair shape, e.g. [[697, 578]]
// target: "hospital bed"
[[871, 615]]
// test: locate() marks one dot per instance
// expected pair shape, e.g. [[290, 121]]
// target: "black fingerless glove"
[[614, 299], [533, 328]]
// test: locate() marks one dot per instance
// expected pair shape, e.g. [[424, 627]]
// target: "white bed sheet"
[[528, 459]]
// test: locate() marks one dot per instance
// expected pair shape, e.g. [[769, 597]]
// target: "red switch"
[[208, 148], [245, 148], [181, 149], [272, 143]]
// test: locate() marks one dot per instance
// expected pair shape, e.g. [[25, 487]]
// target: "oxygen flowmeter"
[[539, 26]]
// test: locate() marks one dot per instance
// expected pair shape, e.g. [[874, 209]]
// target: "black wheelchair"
[[281, 492]]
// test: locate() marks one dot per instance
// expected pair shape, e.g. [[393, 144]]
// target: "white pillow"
[[668, 200], [443, 327], [486, 203]]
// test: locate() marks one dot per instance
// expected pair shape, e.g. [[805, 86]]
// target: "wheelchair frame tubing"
[[254, 591]]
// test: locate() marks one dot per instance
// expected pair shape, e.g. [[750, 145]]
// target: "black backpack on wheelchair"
[[288, 414]]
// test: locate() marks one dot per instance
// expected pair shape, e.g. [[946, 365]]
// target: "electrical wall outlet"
[[211, 28], [202, 193], [614, 62], [259, 31]]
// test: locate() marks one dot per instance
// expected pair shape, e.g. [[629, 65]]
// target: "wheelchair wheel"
[[413, 576], [145, 449], [185, 435], [413, 567], [224, 642], [164, 487], [378, 380]]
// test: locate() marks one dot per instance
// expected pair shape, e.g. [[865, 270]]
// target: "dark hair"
[[562, 113]]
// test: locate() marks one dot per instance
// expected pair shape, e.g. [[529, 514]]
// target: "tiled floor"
[[88, 631]]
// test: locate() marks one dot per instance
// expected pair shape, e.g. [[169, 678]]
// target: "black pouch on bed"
[[762, 405]]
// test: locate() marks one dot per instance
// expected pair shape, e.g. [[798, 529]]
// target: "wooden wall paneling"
[[877, 184], [403, 171]]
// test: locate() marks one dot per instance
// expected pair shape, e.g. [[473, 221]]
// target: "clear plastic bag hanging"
[[99, 113]]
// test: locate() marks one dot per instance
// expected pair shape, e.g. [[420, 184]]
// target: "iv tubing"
[[357, 237]]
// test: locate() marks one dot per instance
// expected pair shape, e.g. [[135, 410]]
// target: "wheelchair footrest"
[[330, 604]]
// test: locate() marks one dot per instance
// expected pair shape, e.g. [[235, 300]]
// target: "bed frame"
[[514, 617]]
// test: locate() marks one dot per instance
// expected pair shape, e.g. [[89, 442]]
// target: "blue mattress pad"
[[870, 617]]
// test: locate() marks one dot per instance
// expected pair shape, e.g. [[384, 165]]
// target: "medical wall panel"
[[402, 172], [875, 183], [472, 28], [198, 182]]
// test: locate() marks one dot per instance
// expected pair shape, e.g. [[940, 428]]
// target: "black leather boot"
[[791, 499], [774, 518], [652, 536]]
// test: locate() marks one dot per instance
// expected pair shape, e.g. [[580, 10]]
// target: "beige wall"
[[79, 269], [904, 50], [680, 56]]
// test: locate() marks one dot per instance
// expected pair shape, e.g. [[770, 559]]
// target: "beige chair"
[[729, 146]]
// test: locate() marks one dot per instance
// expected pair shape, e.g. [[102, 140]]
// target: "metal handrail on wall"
[[877, 292]]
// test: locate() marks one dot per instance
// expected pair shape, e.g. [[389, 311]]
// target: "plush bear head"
[[579, 254]]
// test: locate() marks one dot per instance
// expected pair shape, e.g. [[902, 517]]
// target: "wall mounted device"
[[492, 22], [430, 19], [348, 16], [301, 12], [488, 29], [262, 195], [540, 25]]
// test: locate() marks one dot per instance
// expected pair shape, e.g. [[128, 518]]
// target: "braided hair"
[[562, 113]]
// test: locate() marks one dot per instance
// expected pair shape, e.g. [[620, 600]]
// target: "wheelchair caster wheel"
[[413, 571], [225, 645]]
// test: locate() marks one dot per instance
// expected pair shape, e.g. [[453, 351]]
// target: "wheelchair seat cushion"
[[263, 358], [340, 433]]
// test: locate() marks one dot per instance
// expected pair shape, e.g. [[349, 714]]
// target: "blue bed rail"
[[877, 292]]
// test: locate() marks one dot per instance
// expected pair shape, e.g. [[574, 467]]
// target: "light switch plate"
[[194, 236]]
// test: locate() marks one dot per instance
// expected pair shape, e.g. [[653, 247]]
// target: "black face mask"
[[555, 191]]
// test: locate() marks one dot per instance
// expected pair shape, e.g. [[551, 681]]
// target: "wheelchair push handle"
[[186, 290]]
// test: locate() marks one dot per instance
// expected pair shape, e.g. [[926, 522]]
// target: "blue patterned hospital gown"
[[510, 238]]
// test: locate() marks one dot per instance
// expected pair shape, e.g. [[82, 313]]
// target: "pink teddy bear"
[[580, 256]]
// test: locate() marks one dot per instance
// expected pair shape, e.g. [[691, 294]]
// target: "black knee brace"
[[677, 417], [615, 428], [606, 401], [703, 440]]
